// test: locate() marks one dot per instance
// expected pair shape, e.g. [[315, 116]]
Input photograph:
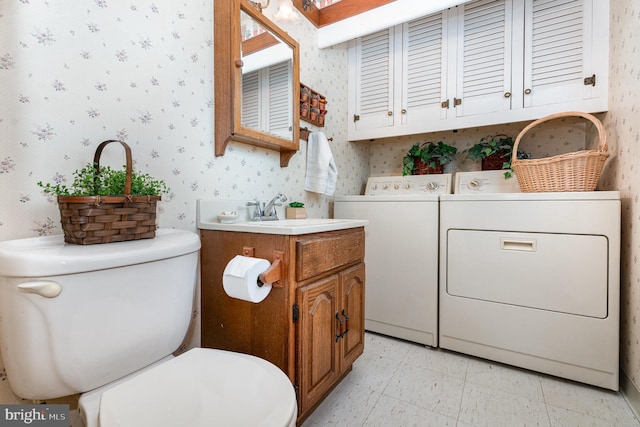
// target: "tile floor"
[[396, 383]]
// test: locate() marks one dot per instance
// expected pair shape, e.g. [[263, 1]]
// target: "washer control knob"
[[432, 186], [374, 187], [474, 184], [385, 187], [396, 187]]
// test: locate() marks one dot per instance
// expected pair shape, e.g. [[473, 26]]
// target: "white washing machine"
[[533, 280], [401, 253]]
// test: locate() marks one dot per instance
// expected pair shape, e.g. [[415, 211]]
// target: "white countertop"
[[207, 219]]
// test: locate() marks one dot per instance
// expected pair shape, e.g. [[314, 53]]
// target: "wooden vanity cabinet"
[[311, 325]]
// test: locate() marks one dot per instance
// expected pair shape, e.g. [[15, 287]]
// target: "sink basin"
[[207, 211]]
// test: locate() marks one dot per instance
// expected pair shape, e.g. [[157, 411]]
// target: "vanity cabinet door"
[[317, 328], [352, 311]]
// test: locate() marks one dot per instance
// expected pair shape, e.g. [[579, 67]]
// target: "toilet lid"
[[203, 387]]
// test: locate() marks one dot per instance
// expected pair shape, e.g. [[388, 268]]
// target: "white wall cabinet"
[[482, 63]]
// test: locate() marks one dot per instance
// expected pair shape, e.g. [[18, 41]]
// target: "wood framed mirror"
[[256, 81]]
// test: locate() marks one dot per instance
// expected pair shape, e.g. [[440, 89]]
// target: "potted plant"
[[105, 205], [495, 151], [427, 158], [296, 210]]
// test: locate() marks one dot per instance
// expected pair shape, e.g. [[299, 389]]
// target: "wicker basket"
[[87, 220], [422, 168], [578, 171]]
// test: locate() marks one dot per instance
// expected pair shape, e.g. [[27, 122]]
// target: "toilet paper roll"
[[240, 278]]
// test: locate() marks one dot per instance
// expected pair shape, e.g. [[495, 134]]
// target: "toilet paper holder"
[[274, 273]]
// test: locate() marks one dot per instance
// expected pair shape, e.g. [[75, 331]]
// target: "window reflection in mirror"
[[266, 80]]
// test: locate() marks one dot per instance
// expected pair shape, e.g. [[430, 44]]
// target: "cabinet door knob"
[[527, 91], [389, 113], [404, 111], [507, 94]]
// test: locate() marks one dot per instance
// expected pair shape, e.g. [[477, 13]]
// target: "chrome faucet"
[[267, 212]]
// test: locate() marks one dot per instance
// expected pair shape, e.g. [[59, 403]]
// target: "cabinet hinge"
[[590, 81], [356, 117], [295, 313], [457, 101], [444, 104], [296, 390]]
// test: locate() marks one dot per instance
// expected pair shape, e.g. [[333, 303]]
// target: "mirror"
[[256, 80]]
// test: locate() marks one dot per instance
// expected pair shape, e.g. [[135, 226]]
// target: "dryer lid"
[[203, 387]]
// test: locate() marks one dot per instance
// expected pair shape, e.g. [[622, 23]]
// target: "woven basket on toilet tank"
[[578, 171], [88, 220]]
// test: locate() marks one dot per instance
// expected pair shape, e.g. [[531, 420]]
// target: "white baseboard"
[[630, 392]]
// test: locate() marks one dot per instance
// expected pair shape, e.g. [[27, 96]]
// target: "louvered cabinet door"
[[557, 52], [484, 57], [373, 72], [424, 71], [251, 100], [280, 96]]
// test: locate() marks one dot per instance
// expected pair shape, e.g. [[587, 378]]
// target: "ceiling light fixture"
[[286, 12]]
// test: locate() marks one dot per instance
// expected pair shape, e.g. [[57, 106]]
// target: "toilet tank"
[[73, 318]]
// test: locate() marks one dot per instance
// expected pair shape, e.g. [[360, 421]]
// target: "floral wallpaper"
[[622, 172], [75, 73]]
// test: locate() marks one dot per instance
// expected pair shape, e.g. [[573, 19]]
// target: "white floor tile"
[[442, 361], [505, 378], [484, 406], [597, 403], [399, 384], [373, 371], [561, 417], [431, 390], [393, 412], [348, 405]]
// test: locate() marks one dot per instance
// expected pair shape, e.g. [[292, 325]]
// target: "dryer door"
[[565, 273]]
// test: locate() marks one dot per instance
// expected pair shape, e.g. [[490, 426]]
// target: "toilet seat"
[[203, 387]]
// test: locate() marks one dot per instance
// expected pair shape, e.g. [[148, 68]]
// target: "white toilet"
[[103, 320]]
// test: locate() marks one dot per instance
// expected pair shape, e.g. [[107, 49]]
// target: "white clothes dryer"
[[533, 280], [401, 253]]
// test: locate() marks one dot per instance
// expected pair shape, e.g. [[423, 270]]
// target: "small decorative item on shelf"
[[104, 205], [304, 110], [495, 152], [296, 210], [312, 106], [315, 100], [427, 158], [304, 94]]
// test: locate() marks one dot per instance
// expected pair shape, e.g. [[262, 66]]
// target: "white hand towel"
[[322, 172]]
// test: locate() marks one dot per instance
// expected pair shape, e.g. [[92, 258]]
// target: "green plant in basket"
[[296, 204], [107, 181], [499, 147], [432, 154]]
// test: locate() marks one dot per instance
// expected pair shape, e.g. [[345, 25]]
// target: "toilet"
[[103, 320]]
